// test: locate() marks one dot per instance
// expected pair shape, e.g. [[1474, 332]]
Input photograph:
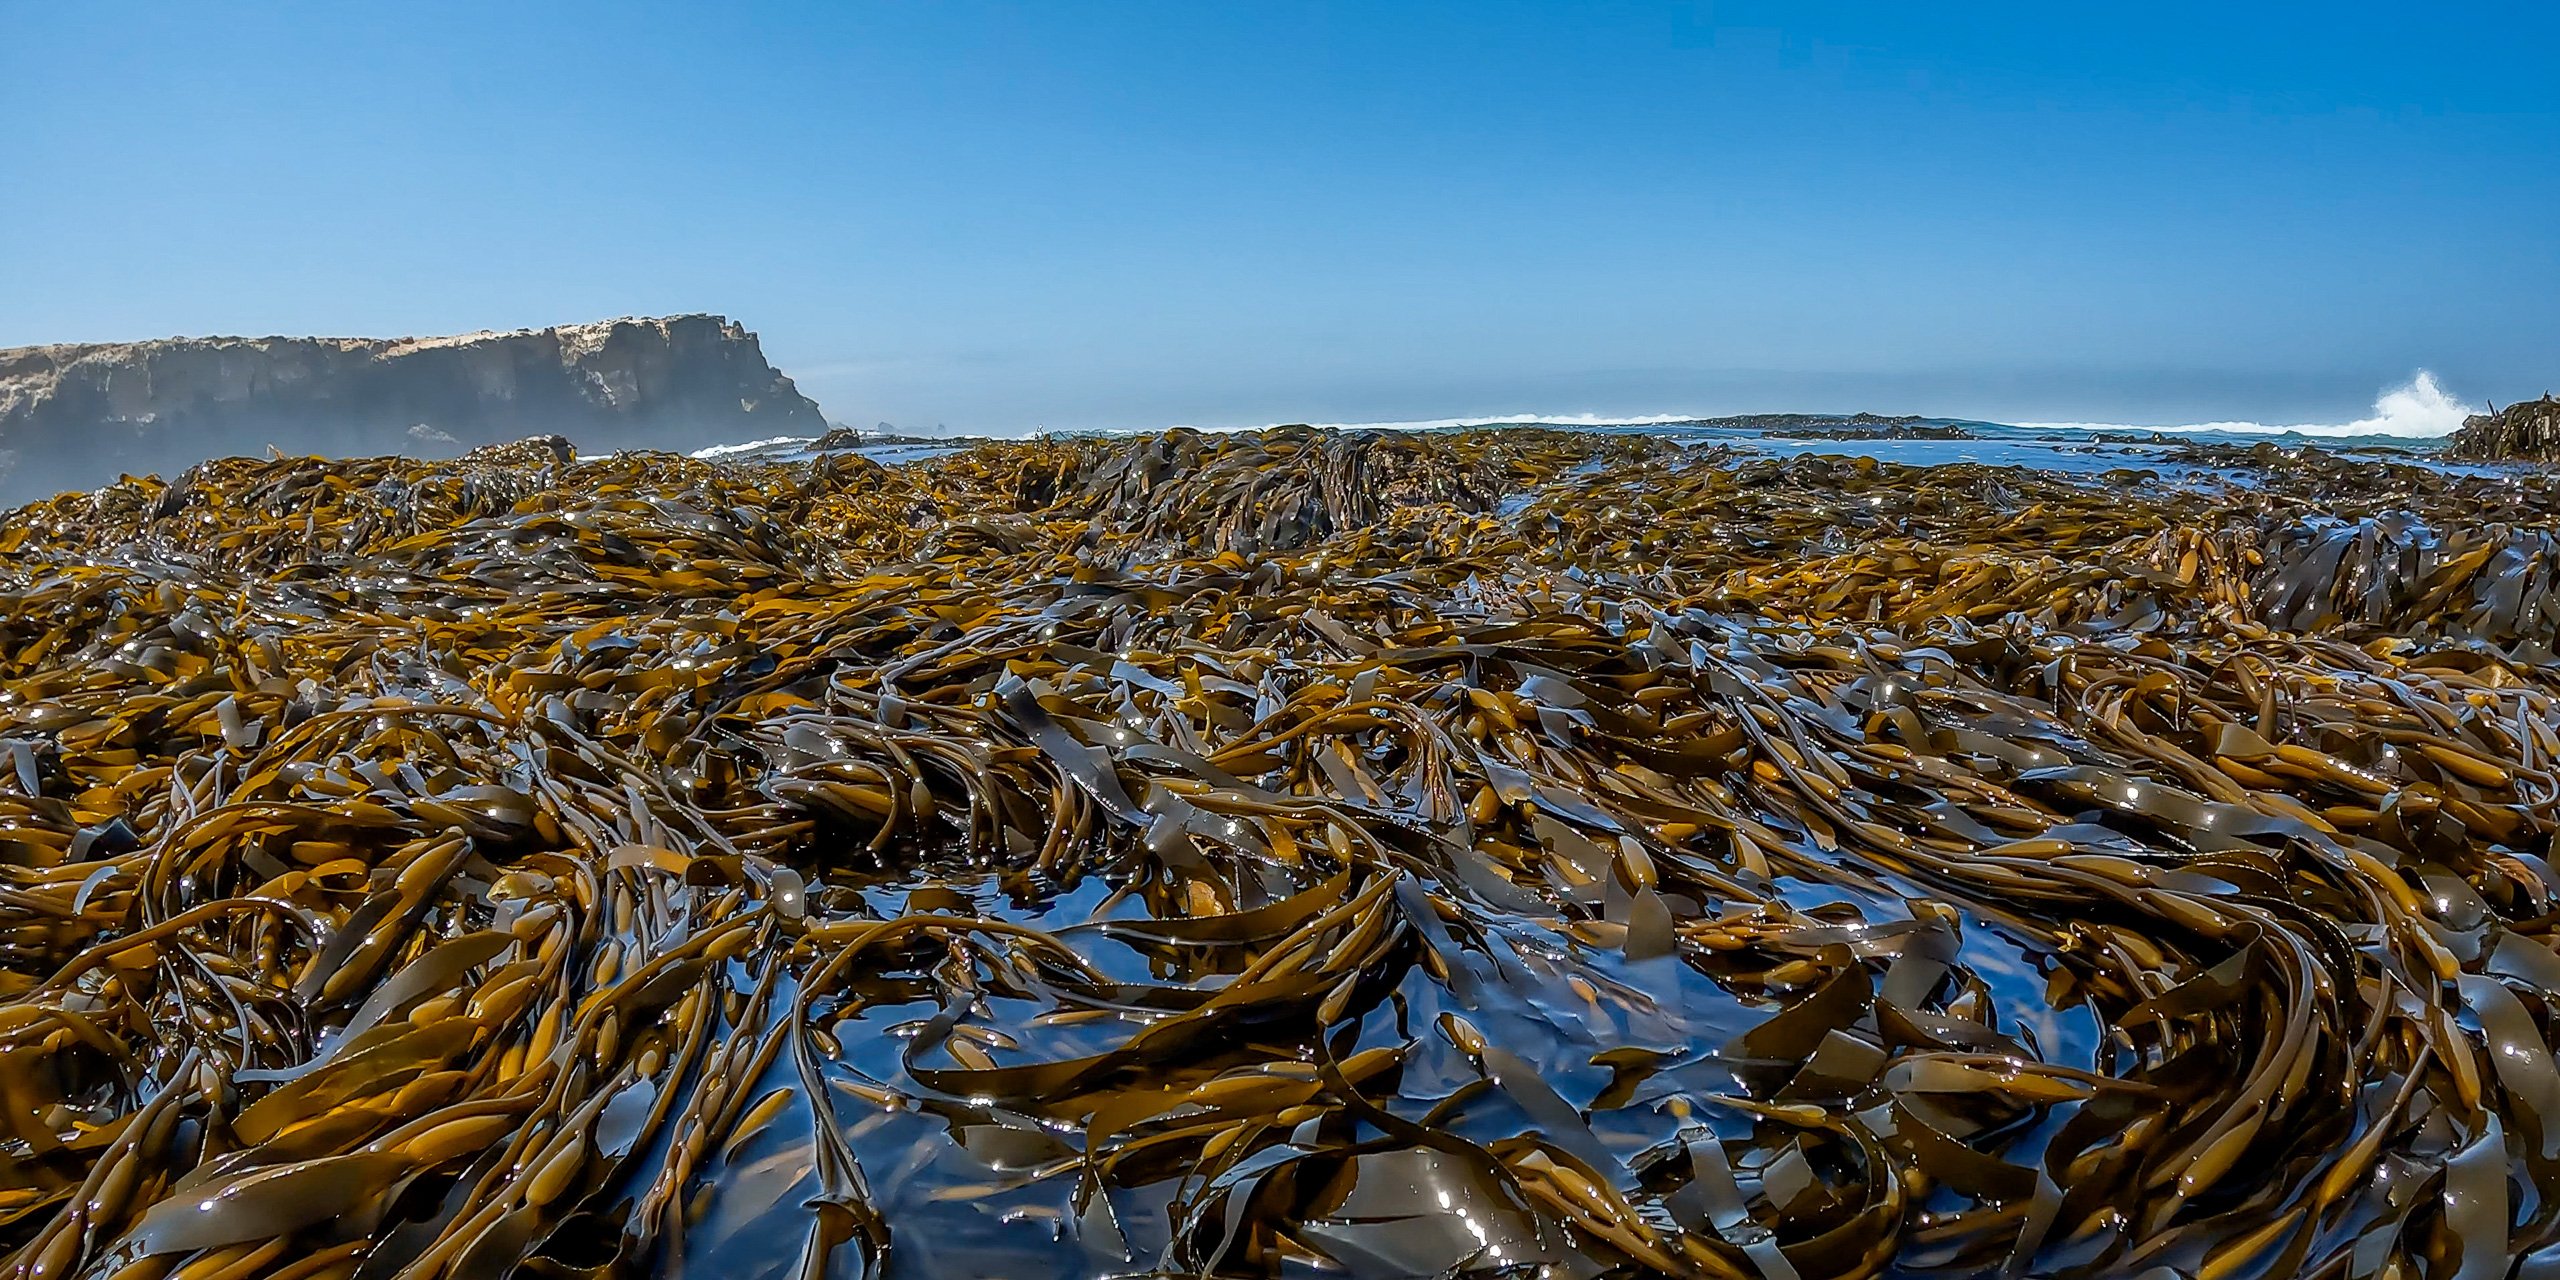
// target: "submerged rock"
[[2528, 431], [78, 414]]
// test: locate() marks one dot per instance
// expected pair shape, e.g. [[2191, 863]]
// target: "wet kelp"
[[2528, 431], [1519, 853]]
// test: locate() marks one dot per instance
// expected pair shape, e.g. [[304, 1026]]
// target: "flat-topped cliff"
[[79, 414]]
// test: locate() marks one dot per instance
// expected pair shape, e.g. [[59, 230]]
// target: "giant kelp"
[[1511, 853]]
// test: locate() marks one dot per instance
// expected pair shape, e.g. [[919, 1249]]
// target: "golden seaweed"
[[1520, 852]]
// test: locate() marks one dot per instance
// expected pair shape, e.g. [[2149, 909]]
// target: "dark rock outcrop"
[[1834, 426], [2528, 431], [77, 415]]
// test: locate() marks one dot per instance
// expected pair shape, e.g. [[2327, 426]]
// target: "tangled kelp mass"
[[1515, 853], [2527, 430]]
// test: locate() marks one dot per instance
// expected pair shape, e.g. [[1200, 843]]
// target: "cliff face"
[[2525, 431], [79, 415]]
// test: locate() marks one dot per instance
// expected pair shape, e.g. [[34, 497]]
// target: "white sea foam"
[[2419, 408], [724, 450]]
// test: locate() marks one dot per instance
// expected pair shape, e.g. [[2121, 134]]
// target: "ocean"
[[2409, 423]]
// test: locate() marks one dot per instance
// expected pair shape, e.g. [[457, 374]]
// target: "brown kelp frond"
[[1496, 853]]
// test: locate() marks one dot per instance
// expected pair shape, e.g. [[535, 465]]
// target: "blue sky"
[[1073, 215]]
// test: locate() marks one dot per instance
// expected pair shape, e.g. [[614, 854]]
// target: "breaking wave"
[[2419, 408], [750, 446]]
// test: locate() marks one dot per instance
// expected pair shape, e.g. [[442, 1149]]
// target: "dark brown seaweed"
[[1498, 853]]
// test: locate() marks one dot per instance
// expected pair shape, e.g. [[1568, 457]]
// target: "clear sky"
[[1130, 214]]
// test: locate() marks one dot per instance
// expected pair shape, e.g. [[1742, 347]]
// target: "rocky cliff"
[[78, 415], [2526, 431]]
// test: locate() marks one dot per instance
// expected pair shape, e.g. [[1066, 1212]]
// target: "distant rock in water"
[[2528, 431], [1831, 426], [76, 415]]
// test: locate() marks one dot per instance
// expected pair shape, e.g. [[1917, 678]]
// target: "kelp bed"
[[1519, 853]]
